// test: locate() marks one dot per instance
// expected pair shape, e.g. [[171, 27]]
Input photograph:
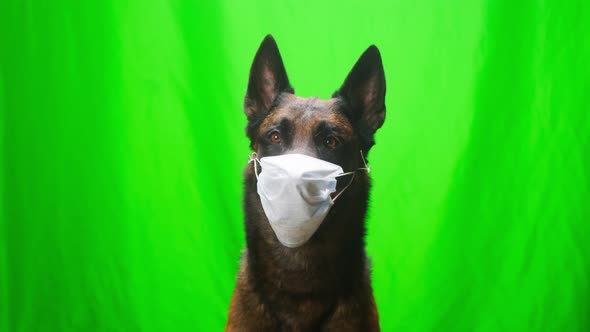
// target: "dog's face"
[[334, 130]]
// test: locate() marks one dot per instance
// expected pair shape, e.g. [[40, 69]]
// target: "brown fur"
[[323, 285]]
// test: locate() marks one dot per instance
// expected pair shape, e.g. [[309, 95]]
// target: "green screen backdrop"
[[122, 146]]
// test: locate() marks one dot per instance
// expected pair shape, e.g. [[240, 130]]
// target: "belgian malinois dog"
[[323, 285]]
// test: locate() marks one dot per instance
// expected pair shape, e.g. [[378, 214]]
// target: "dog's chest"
[[301, 314]]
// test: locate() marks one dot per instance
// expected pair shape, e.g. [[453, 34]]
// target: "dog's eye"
[[331, 142], [275, 137]]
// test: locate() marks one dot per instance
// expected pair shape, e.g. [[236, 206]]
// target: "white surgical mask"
[[295, 191]]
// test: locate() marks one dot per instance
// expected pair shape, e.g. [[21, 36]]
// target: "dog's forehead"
[[302, 109], [307, 107]]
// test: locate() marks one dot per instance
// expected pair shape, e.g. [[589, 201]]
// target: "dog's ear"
[[268, 79], [363, 92]]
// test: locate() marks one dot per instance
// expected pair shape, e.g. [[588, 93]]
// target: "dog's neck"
[[332, 260]]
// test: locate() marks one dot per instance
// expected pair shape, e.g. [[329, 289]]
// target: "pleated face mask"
[[295, 191]]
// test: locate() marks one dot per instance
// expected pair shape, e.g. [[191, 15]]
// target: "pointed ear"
[[363, 92], [268, 78]]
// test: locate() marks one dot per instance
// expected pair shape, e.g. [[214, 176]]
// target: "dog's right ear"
[[364, 93], [268, 79]]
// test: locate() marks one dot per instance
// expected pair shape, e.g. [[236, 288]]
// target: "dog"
[[324, 284]]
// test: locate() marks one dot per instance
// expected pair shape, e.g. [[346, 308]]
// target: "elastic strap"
[[366, 168], [346, 187], [254, 158]]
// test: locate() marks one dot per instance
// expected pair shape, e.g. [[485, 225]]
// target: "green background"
[[122, 148]]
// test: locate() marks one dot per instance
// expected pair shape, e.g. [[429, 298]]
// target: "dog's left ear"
[[364, 93], [268, 79]]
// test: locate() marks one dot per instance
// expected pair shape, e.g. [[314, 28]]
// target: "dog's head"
[[333, 130]]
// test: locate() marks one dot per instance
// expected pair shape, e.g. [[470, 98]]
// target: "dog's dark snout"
[[304, 151]]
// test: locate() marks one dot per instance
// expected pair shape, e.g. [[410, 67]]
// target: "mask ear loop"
[[254, 158], [345, 187], [366, 168]]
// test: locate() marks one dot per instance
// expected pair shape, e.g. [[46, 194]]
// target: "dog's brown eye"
[[331, 142], [275, 137]]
